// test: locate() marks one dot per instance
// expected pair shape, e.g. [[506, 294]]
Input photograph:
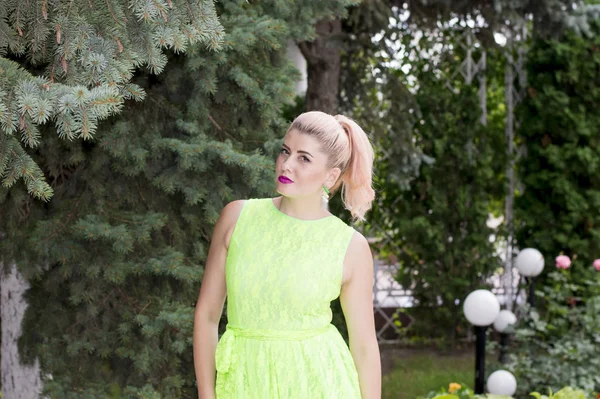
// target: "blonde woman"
[[281, 261]]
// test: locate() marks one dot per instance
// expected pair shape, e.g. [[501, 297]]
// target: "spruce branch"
[[93, 46], [214, 123], [119, 23]]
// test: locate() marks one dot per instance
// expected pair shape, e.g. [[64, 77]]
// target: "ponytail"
[[356, 181]]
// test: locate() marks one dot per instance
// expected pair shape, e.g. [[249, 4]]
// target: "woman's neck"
[[302, 208]]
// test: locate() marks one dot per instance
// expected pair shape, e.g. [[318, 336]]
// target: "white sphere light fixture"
[[481, 308], [502, 382], [530, 262], [505, 318]]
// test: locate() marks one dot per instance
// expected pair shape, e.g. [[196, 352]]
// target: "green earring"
[[325, 193]]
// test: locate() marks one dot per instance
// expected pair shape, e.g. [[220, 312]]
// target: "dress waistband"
[[225, 357]]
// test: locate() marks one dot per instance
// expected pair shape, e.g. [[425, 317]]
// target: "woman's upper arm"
[[356, 296], [213, 289]]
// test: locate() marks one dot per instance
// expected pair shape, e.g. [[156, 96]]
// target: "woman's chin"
[[285, 190], [282, 189]]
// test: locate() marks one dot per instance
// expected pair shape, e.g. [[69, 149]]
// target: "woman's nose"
[[286, 164]]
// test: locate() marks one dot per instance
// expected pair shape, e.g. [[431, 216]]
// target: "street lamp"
[[481, 308], [502, 382], [505, 318], [530, 263]]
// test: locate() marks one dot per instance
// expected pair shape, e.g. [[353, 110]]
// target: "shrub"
[[557, 345]]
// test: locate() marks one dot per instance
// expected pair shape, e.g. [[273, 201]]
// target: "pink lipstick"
[[284, 180]]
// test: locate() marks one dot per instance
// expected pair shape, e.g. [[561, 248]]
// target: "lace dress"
[[282, 273]]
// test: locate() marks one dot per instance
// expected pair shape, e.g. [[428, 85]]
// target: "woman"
[[282, 261]]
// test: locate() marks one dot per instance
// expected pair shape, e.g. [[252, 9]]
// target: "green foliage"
[[559, 212], [558, 346], [436, 228], [559, 209], [460, 391], [375, 43], [78, 59], [373, 94], [466, 393], [115, 260], [549, 16], [392, 81], [565, 393]]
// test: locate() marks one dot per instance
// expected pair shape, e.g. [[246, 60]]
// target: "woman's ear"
[[333, 176]]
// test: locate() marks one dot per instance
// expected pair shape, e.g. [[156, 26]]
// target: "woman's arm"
[[211, 300], [357, 304]]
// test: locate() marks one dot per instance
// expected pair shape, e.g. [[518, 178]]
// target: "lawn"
[[418, 373]]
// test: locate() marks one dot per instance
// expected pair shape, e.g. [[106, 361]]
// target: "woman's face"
[[301, 167]]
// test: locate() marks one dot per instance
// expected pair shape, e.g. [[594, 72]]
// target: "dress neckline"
[[274, 207]]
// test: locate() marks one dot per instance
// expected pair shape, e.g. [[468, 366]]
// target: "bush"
[[459, 391], [557, 346], [565, 393]]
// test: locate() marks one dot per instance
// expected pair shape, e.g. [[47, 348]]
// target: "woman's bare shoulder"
[[233, 209], [229, 216]]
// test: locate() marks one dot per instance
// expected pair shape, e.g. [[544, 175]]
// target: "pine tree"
[[72, 62], [115, 259], [69, 65]]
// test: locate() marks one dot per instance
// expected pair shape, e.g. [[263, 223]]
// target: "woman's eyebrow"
[[300, 151]]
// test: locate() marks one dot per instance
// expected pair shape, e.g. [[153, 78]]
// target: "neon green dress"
[[282, 273]]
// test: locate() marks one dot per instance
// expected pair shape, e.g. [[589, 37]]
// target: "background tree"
[[115, 260], [437, 228], [390, 84], [558, 209], [348, 65]]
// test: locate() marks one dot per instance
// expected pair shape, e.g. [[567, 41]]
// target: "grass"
[[418, 374]]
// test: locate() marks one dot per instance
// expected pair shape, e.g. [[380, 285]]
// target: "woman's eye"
[[286, 152]]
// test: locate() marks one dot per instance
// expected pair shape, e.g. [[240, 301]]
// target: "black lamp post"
[[479, 358], [481, 307], [530, 263], [504, 319]]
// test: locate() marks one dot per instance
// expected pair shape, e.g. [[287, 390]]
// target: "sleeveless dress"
[[282, 273]]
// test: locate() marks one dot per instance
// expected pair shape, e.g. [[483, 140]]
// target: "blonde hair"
[[348, 148]]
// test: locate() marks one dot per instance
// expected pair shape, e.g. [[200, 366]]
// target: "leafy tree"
[[436, 227], [116, 258], [548, 16], [412, 130], [558, 210], [372, 92]]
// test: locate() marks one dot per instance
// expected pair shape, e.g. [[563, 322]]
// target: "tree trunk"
[[323, 66], [18, 381]]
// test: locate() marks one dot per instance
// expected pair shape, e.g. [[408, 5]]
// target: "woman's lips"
[[284, 180]]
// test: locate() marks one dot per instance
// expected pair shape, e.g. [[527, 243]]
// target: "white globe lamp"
[[481, 308], [505, 318], [502, 382], [530, 262]]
